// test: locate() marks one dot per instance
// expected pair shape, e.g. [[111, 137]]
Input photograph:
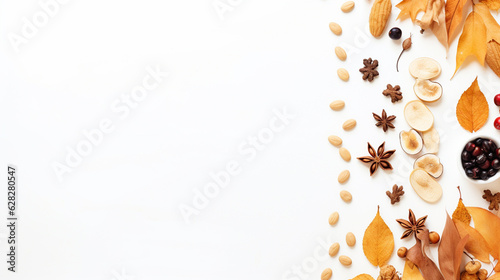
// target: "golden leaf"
[[472, 108], [493, 56], [411, 272], [378, 241], [472, 41], [492, 4], [461, 212], [411, 8], [488, 225], [495, 276], [492, 26], [476, 245], [363, 277], [454, 14]]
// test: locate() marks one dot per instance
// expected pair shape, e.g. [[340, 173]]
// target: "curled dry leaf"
[[454, 13], [472, 40], [434, 18], [411, 8], [488, 225], [472, 108], [411, 272], [363, 277], [417, 255], [450, 250], [378, 241], [476, 245]]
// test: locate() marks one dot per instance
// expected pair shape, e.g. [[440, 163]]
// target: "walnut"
[[388, 272], [466, 276]]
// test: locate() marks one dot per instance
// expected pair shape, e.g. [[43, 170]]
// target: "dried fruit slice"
[[411, 142], [431, 164], [425, 68], [425, 186], [418, 116], [427, 90], [431, 140]]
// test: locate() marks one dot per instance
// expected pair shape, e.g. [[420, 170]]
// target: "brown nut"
[[434, 237], [326, 274], [472, 267], [402, 252], [482, 274]]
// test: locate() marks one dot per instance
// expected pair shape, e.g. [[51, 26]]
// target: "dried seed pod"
[[406, 45]]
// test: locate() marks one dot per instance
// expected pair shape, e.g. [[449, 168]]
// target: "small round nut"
[[466, 276], [334, 218], [350, 239], [346, 196], [334, 249], [335, 28], [482, 274], [472, 267], [345, 260], [434, 237], [402, 252], [343, 176], [326, 274], [345, 154]]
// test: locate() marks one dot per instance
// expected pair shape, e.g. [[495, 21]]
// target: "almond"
[[346, 196], [337, 105], [379, 15], [347, 6], [340, 52], [350, 239], [335, 140], [344, 154], [343, 74], [335, 28], [334, 218], [344, 176], [345, 260], [334, 249], [326, 274], [349, 124]]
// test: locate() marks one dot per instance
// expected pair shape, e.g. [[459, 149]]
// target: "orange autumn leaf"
[[492, 4], [411, 272], [476, 245], [461, 212], [454, 14], [472, 41], [492, 26], [378, 242], [472, 108], [363, 277], [488, 225], [411, 8], [494, 277]]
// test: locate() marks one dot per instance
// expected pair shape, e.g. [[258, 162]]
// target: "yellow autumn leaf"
[[460, 212], [454, 14], [488, 225], [476, 245], [411, 8], [492, 4], [411, 272], [363, 277], [472, 41], [378, 242], [492, 26], [494, 277], [472, 108]]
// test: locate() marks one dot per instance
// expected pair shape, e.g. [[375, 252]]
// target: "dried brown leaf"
[[378, 242], [476, 245], [472, 108], [417, 255], [450, 250]]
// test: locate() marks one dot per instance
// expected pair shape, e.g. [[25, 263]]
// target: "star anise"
[[396, 194], [378, 159], [369, 72], [412, 226], [394, 92], [384, 121]]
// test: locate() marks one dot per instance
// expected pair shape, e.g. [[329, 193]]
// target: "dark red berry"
[[497, 99], [477, 151], [497, 123], [470, 147], [395, 33]]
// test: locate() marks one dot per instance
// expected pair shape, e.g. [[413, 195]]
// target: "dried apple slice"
[[431, 140], [427, 91], [431, 164], [425, 186], [411, 141], [425, 68], [418, 116]]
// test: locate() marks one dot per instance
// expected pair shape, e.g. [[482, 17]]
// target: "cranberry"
[[497, 123], [497, 99]]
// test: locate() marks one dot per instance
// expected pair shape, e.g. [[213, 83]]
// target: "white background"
[[116, 215]]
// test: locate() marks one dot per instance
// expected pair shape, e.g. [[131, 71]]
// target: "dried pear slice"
[[431, 164], [427, 91], [411, 141], [418, 116], [425, 186], [431, 141], [425, 68]]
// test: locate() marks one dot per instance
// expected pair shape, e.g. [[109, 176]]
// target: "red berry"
[[497, 99], [497, 123]]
